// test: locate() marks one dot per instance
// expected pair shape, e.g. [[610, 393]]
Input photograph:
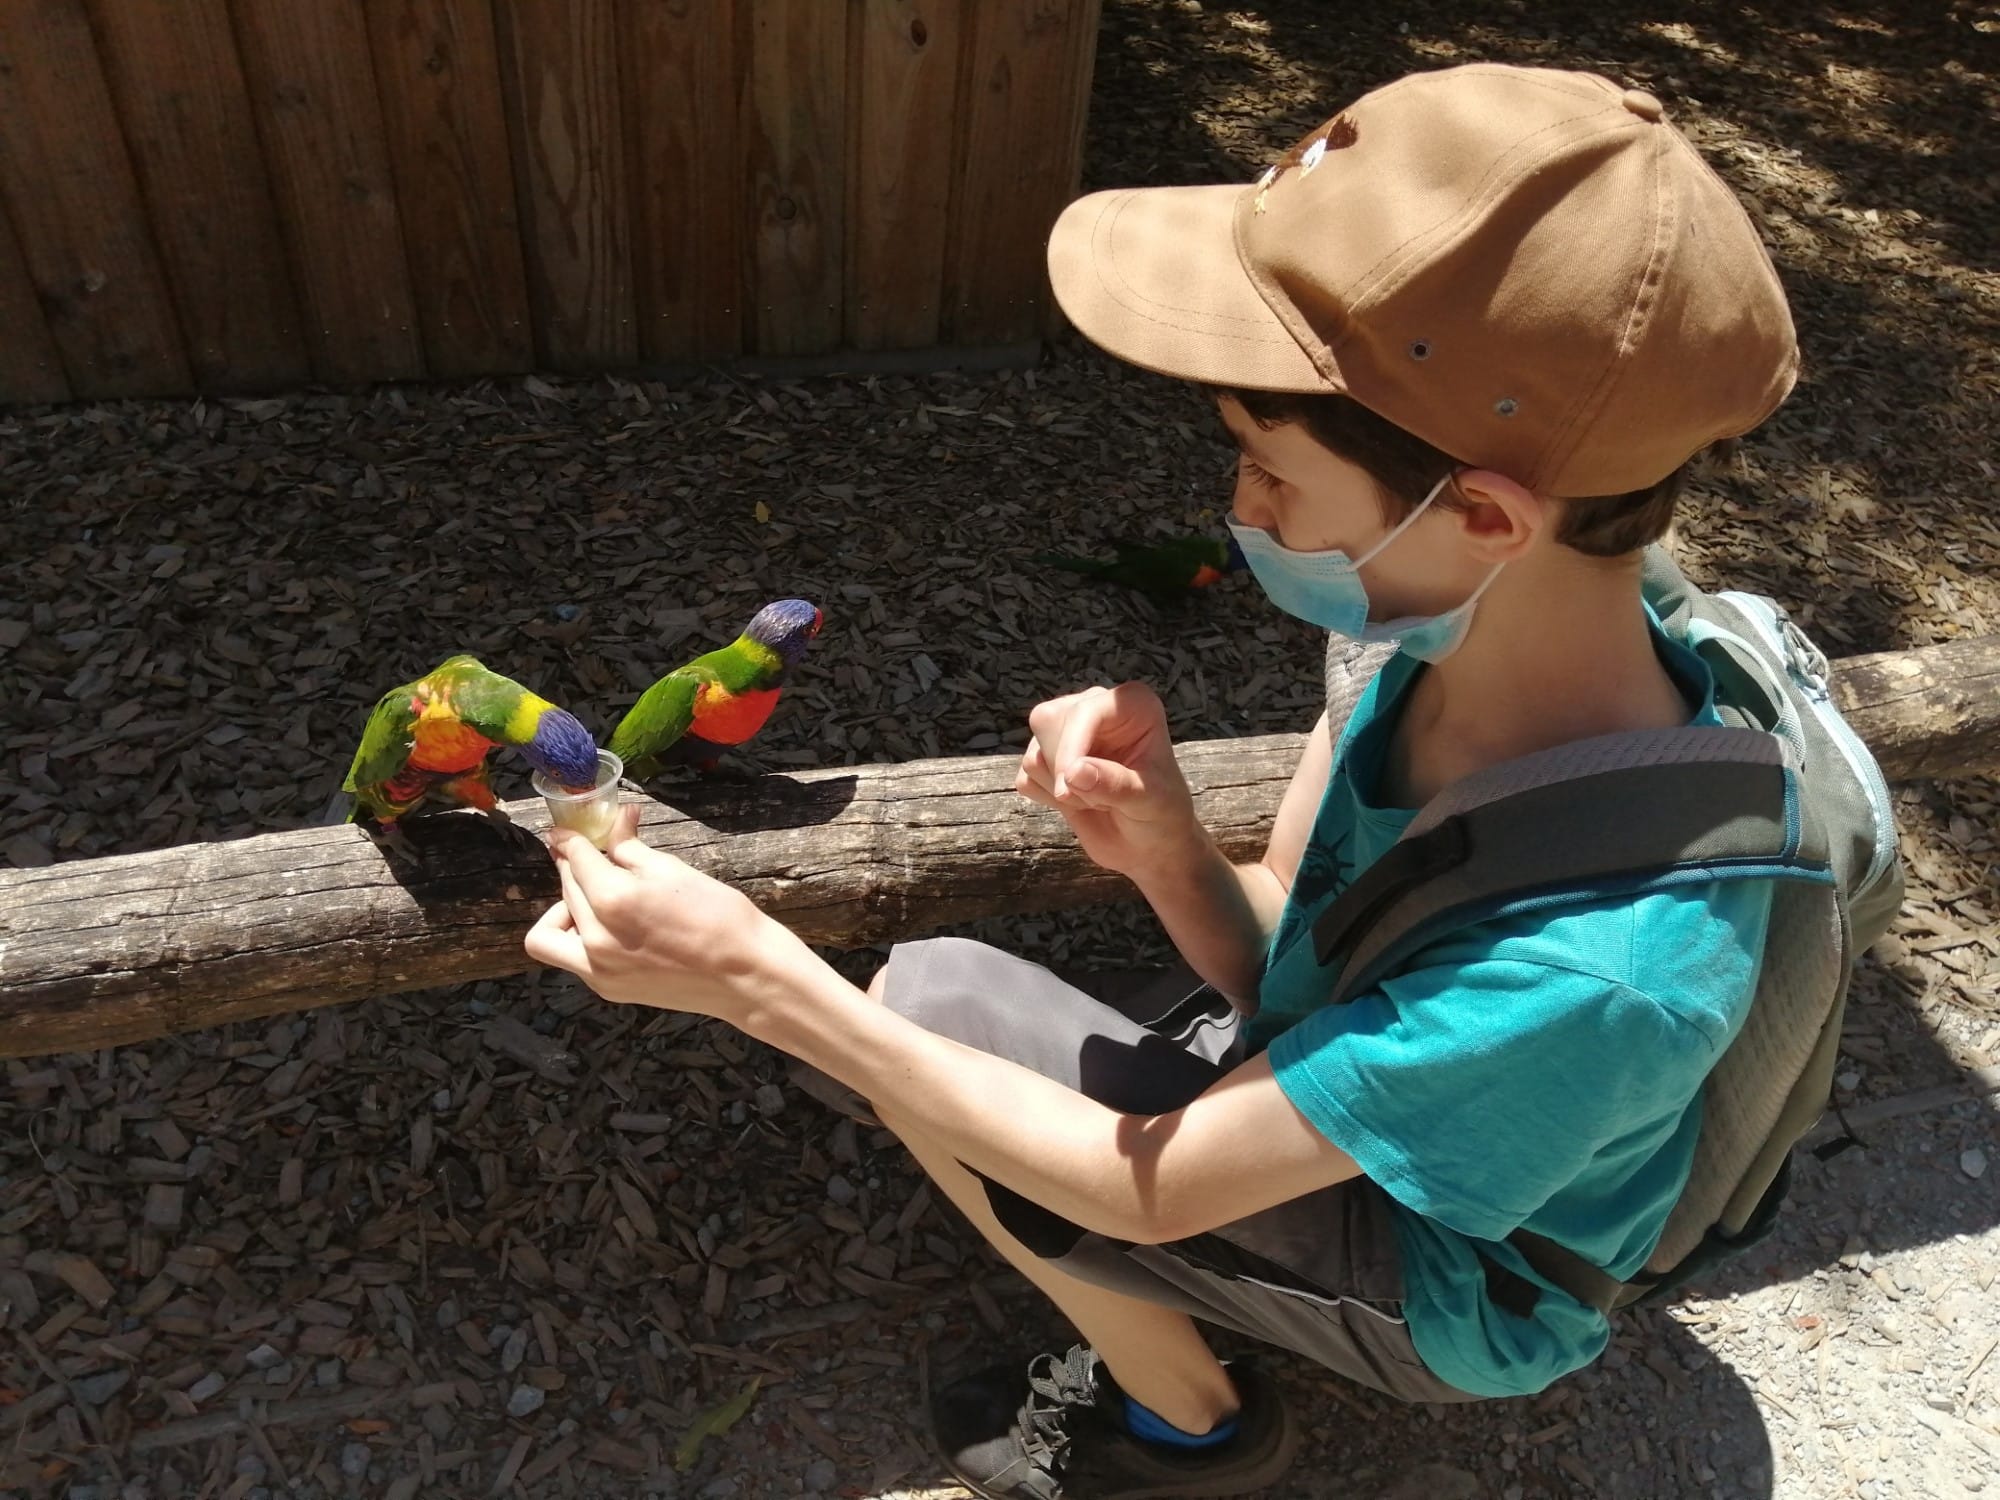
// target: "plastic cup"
[[592, 812]]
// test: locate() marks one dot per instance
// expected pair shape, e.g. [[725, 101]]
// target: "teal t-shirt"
[[1542, 1069]]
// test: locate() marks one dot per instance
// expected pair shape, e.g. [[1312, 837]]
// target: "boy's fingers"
[[1079, 735], [1105, 783], [1035, 766], [595, 875], [1045, 719], [1026, 786], [582, 914], [553, 941], [627, 850], [1047, 730]]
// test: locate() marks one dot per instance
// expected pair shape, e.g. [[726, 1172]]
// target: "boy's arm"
[[1221, 916], [642, 927], [1238, 1148]]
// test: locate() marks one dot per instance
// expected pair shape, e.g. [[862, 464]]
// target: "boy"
[[1466, 336]]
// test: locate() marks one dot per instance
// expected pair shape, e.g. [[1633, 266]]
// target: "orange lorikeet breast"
[[725, 718], [1204, 576], [446, 745]]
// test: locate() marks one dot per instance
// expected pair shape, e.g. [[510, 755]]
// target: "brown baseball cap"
[[1528, 268]]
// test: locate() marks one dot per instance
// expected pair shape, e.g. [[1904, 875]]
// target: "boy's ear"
[[1501, 517]]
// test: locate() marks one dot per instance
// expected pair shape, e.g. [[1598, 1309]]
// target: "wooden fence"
[[238, 195]]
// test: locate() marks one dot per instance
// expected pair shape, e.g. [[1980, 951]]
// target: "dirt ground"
[[409, 1248]]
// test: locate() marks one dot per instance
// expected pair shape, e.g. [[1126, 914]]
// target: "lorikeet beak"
[[819, 619]]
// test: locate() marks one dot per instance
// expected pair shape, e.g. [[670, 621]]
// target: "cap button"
[[1642, 104]]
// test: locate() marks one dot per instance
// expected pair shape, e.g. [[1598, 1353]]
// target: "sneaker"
[[1067, 1439]]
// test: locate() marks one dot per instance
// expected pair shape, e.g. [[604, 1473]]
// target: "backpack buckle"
[[1803, 657]]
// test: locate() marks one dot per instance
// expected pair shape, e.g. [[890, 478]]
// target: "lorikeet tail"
[[1089, 567]]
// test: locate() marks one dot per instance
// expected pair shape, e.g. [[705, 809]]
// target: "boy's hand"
[[641, 927], [1103, 759]]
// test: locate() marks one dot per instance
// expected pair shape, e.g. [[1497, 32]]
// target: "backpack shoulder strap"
[[1618, 812]]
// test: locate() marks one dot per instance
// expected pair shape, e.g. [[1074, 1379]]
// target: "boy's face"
[[1313, 500]]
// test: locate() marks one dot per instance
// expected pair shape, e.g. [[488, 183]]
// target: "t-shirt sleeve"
[[1474, 1092]]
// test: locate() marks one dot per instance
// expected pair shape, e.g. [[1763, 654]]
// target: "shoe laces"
[[1057, 1386]]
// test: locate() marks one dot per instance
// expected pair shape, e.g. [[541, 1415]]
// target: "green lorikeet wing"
[[660, 717], [496, 707], [386, 741]]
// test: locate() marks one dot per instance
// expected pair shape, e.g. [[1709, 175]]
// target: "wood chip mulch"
[[503, 1239]]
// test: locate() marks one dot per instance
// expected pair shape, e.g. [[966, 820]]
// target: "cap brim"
[[1152, 276]]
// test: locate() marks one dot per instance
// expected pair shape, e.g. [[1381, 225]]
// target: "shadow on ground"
[[1859, 137]]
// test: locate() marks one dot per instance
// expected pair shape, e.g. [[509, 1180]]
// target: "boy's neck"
[[1559, 650]]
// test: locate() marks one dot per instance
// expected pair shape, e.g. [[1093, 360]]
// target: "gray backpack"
[[1785, 791]]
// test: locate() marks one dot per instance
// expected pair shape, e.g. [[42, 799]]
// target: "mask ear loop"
[[1406, 523], [1484, 584]]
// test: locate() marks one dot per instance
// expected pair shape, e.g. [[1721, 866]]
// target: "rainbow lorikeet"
[[1165, 572], [429, 741], [695, 712]]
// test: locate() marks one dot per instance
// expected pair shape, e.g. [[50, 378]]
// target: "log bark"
[[1929, 715], [98, 952]]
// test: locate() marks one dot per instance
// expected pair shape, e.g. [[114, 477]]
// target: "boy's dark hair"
[[1404, 467]]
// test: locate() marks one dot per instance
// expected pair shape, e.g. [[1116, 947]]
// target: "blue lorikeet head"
[[787, 626], [563, 750], [1236, 559]]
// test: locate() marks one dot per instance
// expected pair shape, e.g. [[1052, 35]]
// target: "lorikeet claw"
[[393, 842], [511, 831]]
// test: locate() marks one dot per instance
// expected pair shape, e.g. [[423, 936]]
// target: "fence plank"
[[438, 67], [174, 71], [907, 77], [321, 121], [561, 91], [30, 364], [68, 185], [1083, 74], [797, 153], [1017, 163], [683, 89]]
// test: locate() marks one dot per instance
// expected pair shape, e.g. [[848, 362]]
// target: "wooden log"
[[1929, 715], [98, 952]]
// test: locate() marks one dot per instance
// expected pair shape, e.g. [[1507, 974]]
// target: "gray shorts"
[[1320, 1275]]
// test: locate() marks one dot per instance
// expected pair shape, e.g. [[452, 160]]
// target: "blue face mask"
[[1325, 589]]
